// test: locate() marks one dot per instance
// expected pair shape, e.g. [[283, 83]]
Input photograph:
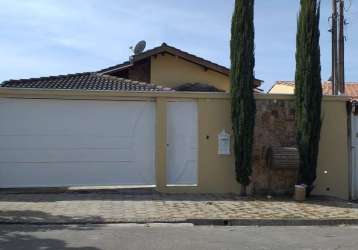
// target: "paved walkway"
[[145, 208]]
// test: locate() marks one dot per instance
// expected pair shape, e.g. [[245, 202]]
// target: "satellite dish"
[[139, 48]]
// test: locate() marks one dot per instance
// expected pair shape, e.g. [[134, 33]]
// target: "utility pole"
[[341, 77], [334, 76]]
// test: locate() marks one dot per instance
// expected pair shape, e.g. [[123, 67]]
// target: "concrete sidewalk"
[[97, 208]]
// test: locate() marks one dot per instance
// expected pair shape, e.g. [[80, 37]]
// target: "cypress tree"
[[243, 105], [308, 90]]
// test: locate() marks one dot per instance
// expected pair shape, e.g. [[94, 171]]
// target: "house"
[[113, 128], [288, 87], [100, 128], [171, 67], [282, 87], [161, 68]]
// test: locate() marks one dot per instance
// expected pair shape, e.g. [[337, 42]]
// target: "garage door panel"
[[75, 143], [21, 142], [60, 118], [66, 155], [76, 174]]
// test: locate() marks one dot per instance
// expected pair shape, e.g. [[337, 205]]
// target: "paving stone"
[[117, 207]]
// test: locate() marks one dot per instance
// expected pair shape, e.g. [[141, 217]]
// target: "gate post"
[[160, 143]]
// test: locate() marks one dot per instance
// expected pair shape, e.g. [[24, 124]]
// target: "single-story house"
[[113, 128], [99, 128]]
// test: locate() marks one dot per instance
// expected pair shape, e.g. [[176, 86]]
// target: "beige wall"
[[216, 173], [333, 155], [282, 89], [171, 71]]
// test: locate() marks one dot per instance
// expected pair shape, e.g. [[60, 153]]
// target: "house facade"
[[171, 67], [116, 127]]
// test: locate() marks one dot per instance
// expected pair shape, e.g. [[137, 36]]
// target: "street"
[[175, 236]]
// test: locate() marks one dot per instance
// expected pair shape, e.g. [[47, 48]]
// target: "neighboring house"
[[288, 87], [282, 87]]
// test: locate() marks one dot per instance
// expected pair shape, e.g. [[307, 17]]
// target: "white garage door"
[[57, 143]]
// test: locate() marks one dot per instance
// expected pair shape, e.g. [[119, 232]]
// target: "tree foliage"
[[242, 84], [308, 90]]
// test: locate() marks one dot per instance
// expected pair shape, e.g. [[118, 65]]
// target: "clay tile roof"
[[288, 83], [351, 88], [165, 48], [83, 81]]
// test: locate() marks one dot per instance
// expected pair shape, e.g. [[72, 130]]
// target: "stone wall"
[[275, 126]]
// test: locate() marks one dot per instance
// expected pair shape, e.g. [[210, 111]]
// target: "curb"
[[92, 190], [277, 222], [201, 222]]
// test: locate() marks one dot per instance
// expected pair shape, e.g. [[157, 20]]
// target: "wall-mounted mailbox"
[[224, 143]]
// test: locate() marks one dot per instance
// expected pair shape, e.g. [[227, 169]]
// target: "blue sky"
[[49, 37]]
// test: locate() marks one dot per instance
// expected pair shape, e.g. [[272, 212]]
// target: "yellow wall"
[[170, 71], [282, 89], [333, 155], [216, 173]]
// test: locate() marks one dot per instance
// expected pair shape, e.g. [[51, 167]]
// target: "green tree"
[[308, 90], [242, 84]]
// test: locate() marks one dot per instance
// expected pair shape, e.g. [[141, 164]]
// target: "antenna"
[[139, 48]]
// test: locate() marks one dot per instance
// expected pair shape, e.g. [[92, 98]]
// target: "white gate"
[[182, 143]]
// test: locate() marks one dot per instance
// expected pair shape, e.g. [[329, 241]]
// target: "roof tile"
[[351, 88], [83, 81]]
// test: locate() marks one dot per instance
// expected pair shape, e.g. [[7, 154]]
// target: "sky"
[[52, 37]]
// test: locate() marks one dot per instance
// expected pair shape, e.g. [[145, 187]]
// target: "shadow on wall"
[[197, 87]]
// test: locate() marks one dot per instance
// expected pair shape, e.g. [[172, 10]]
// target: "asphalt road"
[[175, 237]]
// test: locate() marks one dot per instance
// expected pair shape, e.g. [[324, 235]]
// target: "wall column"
[[160, 143]]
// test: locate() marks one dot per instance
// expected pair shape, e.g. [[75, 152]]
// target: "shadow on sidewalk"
[[24, 236], [40, 217]]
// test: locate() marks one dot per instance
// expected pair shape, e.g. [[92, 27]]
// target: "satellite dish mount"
[[139, 48]]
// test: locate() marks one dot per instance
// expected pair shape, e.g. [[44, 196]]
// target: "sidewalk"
[[97, 208]]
